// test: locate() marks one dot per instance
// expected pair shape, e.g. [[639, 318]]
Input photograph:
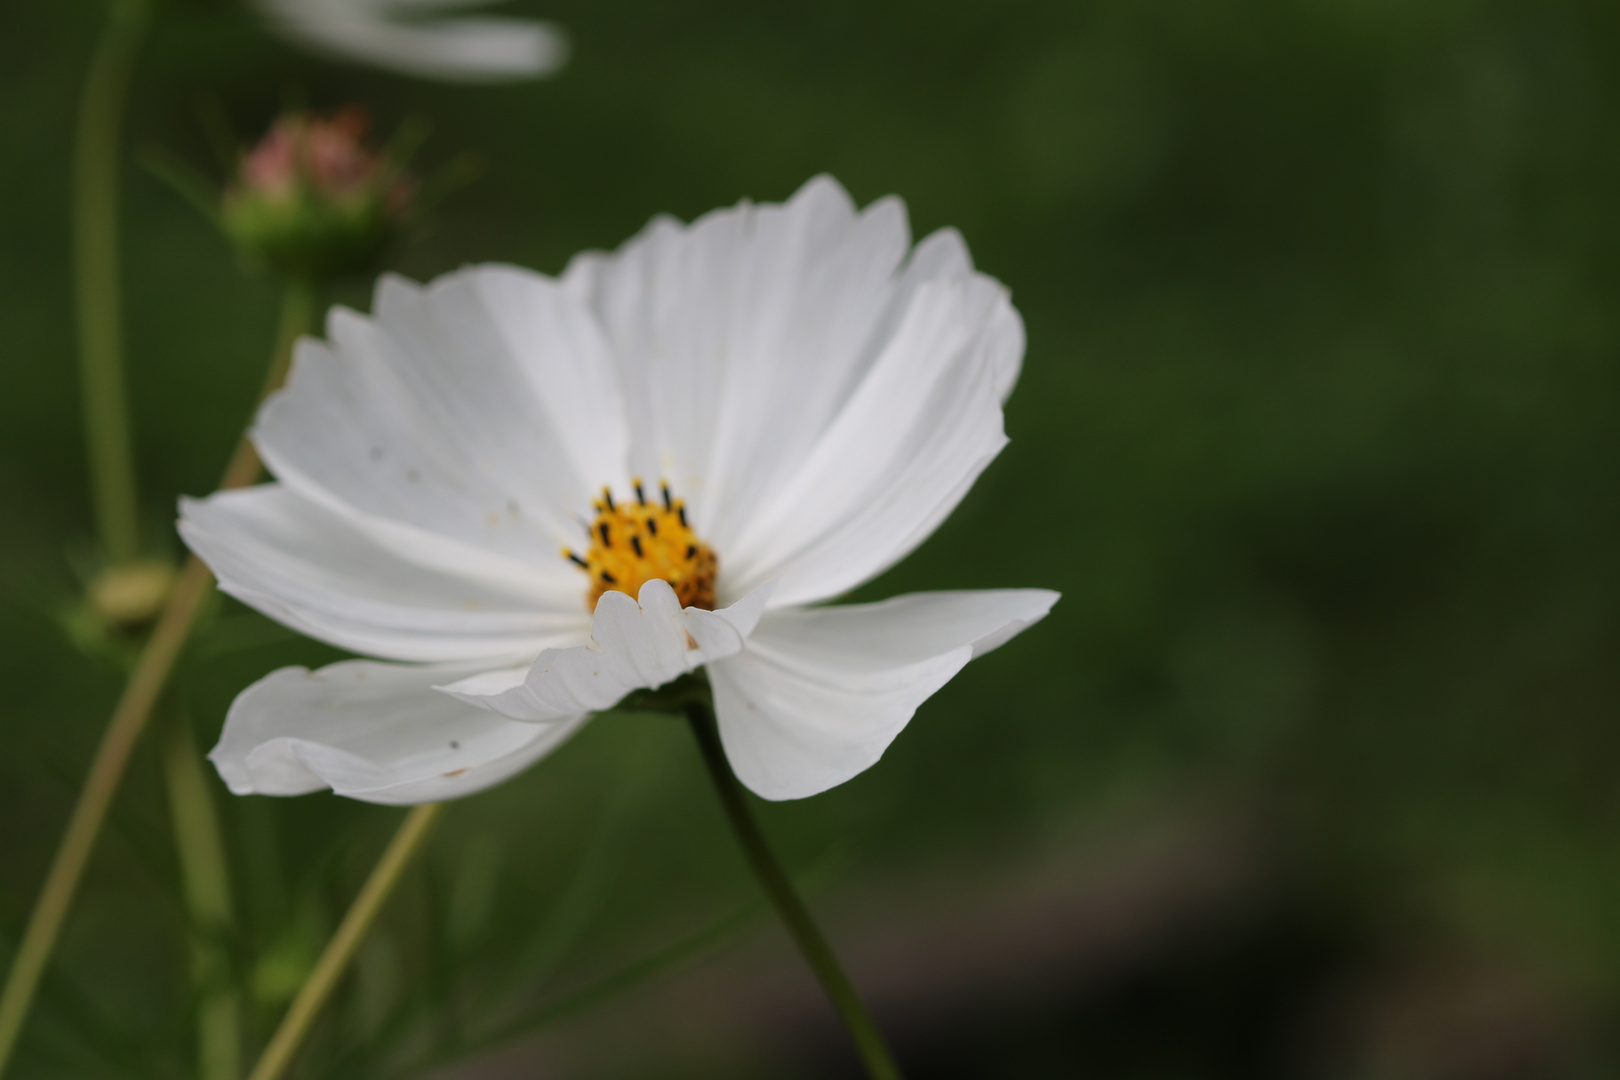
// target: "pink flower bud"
[[314, 198]]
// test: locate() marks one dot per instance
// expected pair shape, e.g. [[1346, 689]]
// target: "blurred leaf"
[[283, 966]]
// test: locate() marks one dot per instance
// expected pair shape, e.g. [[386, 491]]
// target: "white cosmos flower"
[[818, 392], [410, 37]]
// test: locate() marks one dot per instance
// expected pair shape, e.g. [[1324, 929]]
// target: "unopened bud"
[[314, 199], [130, 596]]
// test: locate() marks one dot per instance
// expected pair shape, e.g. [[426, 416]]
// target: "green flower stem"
[[146, 682], [206, 886], [95, 258], [869, 1044], [298, 302], [278, 1054], [117, 743]]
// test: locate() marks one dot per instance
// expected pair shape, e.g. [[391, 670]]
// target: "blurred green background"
[[1312, 773]]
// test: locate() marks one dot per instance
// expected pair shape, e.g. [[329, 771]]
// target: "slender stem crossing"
[[206, 889], [96, 285], [278, 1053], [146, 682], [869, 1044], [117, 743]]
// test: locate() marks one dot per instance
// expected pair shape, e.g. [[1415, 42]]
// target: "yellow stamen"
[[633, 543]]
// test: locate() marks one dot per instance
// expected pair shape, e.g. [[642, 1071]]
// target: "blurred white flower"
[[807, 398], [413, 37]]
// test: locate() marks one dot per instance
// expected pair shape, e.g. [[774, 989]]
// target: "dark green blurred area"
[[1317, 433]]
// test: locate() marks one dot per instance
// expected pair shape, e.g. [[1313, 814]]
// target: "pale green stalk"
[[146, 682], [869, 1044], [90, 811], [96, 287], [206, 886], [278, 1054]]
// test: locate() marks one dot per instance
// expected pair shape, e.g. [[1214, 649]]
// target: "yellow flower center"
[[633, 543]]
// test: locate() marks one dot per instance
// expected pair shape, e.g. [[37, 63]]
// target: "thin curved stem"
[[146, 682], [869, 1044], [96, 285], [206, 887], [298, 302], [278, 1053], [140, 694]]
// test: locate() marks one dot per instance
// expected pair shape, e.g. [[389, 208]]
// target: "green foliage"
[[1317, 433]]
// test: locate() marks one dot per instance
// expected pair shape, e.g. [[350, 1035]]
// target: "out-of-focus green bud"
[[314, 199], [130, 596]]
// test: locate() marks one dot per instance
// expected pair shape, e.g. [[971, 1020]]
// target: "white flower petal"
[[483, 409], [473, 49], [633, 646], [819, 694], [924, 423], [521, 334], [943, 256], [314, 571], [788, 363], [371, 731], [740, 335]]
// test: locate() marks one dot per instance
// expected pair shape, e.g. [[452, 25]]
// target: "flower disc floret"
[[637, 542]]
